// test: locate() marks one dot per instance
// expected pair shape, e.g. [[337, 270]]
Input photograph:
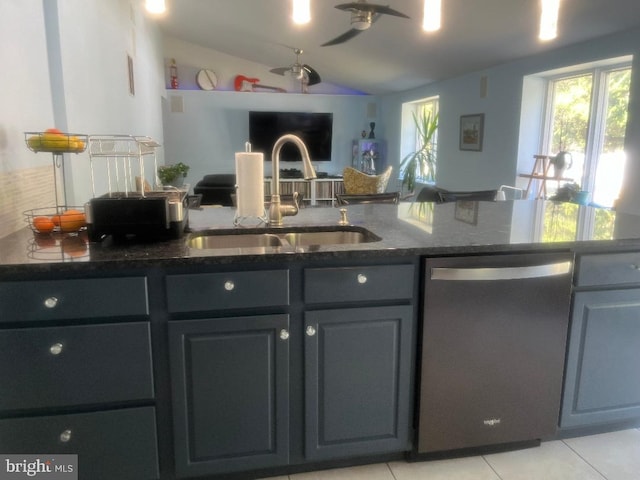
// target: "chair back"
[[359, 198], [487, 195], [357, 182]]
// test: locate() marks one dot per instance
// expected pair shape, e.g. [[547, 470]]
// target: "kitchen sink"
[[284, 239], [336, 237], [214, 241]]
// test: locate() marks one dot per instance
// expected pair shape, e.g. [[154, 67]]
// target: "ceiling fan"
[[363, 15], [299, 70]]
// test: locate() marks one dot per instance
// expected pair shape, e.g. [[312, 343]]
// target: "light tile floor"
[[607, 456]]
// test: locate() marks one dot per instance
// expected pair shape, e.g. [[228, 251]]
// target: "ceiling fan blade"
[[370, 7], [280, 70], [343, 38], [314, 77], [349, 34], [388, 11]]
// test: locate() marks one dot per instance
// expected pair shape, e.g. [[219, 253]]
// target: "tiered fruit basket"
[[55, 141], [56, 219], [61, 218]]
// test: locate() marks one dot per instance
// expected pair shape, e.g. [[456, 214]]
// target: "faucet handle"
[[343, 217]]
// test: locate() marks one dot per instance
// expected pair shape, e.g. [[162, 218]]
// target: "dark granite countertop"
[[405, 229]]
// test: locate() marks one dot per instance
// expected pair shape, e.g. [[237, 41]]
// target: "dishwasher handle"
[[501, 273]]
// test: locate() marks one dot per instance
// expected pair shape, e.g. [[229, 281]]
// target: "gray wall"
[[508, 148], [215, 125], [83, 87]]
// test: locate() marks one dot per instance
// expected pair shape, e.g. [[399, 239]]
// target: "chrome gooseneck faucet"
[[276, 209]]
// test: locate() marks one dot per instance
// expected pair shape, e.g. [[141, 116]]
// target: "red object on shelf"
[[173, 74]]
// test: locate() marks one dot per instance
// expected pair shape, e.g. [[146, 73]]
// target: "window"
[[587, 117], [412, 137]]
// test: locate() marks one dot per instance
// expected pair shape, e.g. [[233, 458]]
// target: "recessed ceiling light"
[[301, 11], [432, 14], [155, 6], [549, 19]]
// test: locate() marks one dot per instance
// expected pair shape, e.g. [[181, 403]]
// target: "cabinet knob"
[[229, 285], [55, 349], [310, 331], [635, 266], [65, 436], [284, 334], [362, 278], [51, 302]]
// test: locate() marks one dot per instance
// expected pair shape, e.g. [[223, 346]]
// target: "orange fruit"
[[56, 220], [45, 241], [43, 224], [72, 221], [73, 246]]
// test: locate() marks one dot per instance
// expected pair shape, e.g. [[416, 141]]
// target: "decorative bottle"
[[173, 74]]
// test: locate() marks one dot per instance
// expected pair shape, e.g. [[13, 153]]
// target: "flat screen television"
[[315, 130]]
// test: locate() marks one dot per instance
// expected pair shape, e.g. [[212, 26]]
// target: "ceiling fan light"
[[432, 15], [361, 20], [155, 6], [549, 19], [301, 12], [296, 71]]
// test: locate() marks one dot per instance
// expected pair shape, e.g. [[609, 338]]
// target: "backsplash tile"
[[22, 190]]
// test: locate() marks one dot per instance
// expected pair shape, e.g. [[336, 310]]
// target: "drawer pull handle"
[[229, 285], [284, 334], [635, 266], [65, 436], [362, 278], [55, 349], [51, 302], [310, 331]]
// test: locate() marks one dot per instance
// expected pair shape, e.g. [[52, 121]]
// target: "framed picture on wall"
[[471, 132], [466, 211], [132, 86]]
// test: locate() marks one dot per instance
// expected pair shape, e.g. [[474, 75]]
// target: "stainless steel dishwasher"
[[493, 346]]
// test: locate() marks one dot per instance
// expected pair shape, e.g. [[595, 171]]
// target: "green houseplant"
[[422, 162], [173, 174]]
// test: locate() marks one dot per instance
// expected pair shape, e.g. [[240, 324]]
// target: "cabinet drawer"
[[111, 444], [356, 284], [75, 365], [608, 269], [70, 299], [219, 291]]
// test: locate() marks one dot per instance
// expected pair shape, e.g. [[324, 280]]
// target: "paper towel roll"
[[250, 181]]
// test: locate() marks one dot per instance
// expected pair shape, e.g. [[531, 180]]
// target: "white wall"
[[190, 58], [24, 83], [95, 38]]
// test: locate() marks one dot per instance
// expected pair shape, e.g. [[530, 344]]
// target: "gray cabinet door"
[[358, 368], [602, 383], [110, 444], [230, 383]]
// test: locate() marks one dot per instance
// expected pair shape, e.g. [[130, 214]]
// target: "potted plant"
[[173, 174], [422, 162]]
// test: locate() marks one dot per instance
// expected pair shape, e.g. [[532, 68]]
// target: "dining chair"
[[477, 195], [357, 182], [360, 198]]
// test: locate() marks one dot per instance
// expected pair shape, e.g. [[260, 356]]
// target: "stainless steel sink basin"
[[337, 237], [279, 239], [213, 241]]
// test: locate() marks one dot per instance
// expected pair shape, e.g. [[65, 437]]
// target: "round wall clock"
[[206, 79]]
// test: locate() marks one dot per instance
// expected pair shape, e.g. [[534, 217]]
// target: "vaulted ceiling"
[[394, 54]]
